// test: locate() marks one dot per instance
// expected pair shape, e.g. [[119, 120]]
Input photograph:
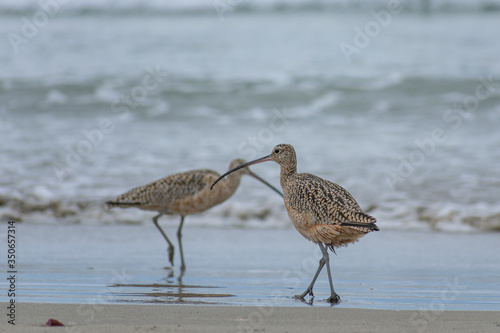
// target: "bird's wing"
[[162, 191], [330, 203]]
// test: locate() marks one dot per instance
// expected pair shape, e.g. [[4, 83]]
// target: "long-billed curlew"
[[184, 194], [320, 210]]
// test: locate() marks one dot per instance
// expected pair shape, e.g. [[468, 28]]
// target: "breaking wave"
[[479, 217], [222, 7]]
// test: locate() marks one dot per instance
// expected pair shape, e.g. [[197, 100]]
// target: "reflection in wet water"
[[164, 292]]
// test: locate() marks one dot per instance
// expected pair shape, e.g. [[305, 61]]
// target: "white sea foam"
[[56, 97]]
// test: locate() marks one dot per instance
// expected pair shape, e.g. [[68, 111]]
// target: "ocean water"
[[399, 104]]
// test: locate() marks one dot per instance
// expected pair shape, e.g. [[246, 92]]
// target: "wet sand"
[[116, 278], [192, 318]]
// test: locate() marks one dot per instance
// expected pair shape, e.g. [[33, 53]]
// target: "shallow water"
[[128, 264]]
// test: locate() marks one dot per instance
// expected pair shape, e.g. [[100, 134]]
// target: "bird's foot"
[[304, 294], [302, 299], [334, 299]]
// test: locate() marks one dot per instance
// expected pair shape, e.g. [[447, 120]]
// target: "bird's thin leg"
[[170, 245], [334, 297], [309, 289], [179, 239]]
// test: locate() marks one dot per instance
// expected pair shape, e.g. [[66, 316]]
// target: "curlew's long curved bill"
[[244, 165]]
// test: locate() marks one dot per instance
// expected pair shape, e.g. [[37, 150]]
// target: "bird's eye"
[[276, 151]]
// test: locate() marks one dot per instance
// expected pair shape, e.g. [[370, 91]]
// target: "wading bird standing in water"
[[320, 210], [183, 194]]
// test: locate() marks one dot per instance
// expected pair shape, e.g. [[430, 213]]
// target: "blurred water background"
[[399, 102]]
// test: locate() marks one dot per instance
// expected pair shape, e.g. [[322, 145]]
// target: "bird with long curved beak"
[[183, 194], [321, 211]]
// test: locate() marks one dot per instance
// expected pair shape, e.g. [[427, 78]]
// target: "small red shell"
[[53, 322]]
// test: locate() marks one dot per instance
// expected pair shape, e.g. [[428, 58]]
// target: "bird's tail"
[[364, 226], [111, 204]]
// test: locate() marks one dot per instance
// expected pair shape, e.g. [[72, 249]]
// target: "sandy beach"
[[170, 318]]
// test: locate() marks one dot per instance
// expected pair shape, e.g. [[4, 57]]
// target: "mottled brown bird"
[[183, 194], [320, 210]]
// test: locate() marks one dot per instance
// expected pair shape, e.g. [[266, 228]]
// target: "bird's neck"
[[287, 172], [233, 181]]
